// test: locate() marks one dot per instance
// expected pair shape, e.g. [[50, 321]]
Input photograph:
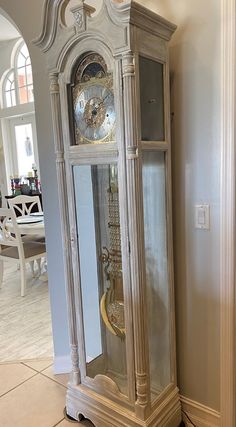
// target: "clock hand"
[[106, 96], [101, 102]]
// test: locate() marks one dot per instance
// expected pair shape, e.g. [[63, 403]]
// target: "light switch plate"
[[202, 217]]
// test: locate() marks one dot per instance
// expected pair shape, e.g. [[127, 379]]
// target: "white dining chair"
[[23, 205], [13, 249]]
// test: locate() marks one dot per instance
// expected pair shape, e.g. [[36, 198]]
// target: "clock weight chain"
[[112, 301]]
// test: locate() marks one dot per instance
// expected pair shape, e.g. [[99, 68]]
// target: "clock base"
[[102, 412]]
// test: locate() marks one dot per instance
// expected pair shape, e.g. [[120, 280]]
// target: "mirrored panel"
[[158, 298], [151, 100], [93, 102], [98, 223]]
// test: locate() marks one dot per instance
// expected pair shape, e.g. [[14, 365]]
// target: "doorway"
[[25, 326]]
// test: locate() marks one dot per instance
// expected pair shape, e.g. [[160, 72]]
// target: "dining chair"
[[13, 249], [24, 205]]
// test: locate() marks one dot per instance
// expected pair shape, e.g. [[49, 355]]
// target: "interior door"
[[23, 151]]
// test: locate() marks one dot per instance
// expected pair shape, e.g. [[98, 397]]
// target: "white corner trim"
[[200, 415], [62, 364], [227, 215]]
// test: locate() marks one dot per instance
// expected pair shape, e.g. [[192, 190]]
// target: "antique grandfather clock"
[[109, 89]]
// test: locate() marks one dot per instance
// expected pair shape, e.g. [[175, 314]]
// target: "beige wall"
[[195, 76]]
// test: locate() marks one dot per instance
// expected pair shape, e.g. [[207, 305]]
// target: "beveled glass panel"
[[98, 223], [151, 100], [158, 299]]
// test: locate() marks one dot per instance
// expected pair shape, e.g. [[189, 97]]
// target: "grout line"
[[34, 369], [52, 379], [57, 424], [34, 359], [18, 385]]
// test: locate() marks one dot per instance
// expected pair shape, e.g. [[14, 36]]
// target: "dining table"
[[31, 224]]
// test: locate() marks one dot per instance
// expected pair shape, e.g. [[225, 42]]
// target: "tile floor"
[[32, 396]]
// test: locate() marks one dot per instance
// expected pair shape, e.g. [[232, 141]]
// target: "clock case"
[[122, 33]]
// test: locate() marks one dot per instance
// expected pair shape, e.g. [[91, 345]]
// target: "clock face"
[[94, 112]]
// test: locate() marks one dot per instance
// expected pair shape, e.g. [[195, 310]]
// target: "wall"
[[195, 90], [30, 28], [6, 50]]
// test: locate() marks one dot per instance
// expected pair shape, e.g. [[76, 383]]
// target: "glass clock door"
[[157, 279], [98, 224], [151, 100]]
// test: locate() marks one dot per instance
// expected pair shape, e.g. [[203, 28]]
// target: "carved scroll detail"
[[78, 18], [81, 12]]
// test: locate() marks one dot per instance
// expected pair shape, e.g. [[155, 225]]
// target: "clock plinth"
[[110, 100]]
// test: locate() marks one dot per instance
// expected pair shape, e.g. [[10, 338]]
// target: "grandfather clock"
[[110, 101]]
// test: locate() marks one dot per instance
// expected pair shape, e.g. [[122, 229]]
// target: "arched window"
[[18, 83], [10, 91], [24, 76]]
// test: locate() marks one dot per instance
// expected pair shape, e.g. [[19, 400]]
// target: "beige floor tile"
[[12, 375], [60, 378], [39, 402], [84, 423], [66, 423], [38, 365]]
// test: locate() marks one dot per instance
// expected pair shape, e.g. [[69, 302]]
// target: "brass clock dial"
[[94, 112]]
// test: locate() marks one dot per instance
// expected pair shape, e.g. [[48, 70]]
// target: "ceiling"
[[7, 30]]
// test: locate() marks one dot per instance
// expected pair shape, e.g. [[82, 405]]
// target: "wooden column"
[[134, 185], [68, 240]]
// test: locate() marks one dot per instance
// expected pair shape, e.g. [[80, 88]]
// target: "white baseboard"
[[200, 415], [62, 364]]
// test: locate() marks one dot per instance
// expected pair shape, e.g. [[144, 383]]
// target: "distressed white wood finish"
[[134, 186], [125, 246], [68, 238], [118, 33]]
